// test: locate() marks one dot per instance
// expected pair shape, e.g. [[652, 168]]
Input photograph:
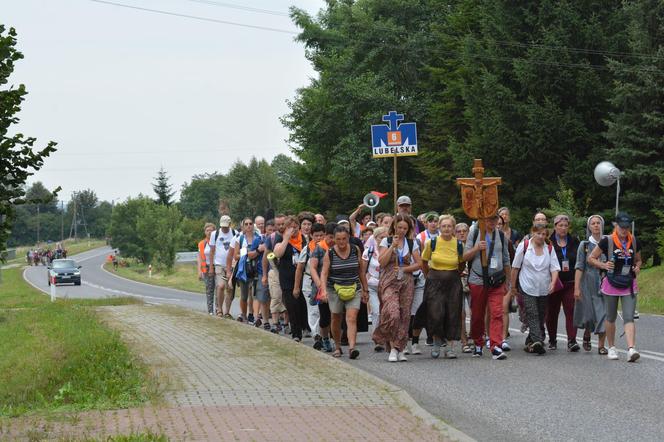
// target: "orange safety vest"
[[201, 252]]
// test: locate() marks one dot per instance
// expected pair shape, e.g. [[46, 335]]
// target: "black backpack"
[[618, 280]]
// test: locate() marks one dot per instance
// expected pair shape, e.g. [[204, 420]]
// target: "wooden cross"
[[479, 197]]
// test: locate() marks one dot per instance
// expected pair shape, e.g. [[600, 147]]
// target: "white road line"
[[644, 353]]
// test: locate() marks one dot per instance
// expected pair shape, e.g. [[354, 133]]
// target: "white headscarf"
[[590, 235]]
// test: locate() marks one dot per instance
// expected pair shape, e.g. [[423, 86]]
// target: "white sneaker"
[[407, 350], [633, 355], [394, 355], [402, 357], [416, 349], [613, 354]]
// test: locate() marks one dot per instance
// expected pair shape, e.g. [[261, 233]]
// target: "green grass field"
[[58, 357], [651, 290], [183, 276]]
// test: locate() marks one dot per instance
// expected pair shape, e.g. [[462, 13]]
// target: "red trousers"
[[555, 299], [478, 303]]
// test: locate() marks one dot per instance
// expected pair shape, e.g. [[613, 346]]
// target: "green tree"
[[159, 228], [371, 57], [18, 157], [123, 229], [163, 188], [534, 103], [199, 198], [192, 233], [635, 129]]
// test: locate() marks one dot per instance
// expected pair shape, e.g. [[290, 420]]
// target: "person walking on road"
[[461, 233], [203, 268], [303, 283], [589, 309], [317, 258], [487, 286], [566, 247], [246, 248], [536, 267], [271, 271], [619, 284], [399, 259], [220, 244], [443, 293], [287, 250], [371, 256], [344, 285]]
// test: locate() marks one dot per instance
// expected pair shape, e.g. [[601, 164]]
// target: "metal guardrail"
[[185, 257]]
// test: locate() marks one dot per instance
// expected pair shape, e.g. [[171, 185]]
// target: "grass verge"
[[651, 290], [58, 357], [182, 277]]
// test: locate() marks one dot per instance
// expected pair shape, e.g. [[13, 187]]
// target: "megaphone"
[[606, 174], [370, 200]]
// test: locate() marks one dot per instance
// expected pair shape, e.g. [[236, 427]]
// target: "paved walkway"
[[230, 381]]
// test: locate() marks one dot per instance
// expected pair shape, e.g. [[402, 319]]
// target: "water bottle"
[[610, 271]]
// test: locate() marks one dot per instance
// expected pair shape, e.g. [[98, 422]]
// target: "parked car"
[[64, 271]]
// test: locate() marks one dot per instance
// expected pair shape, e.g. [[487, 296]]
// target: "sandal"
[[466, 349], [337, 353], [602, 351], [354, 353], [587, 346]]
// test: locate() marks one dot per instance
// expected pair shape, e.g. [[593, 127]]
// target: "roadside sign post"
[[394, 140], [150, 271], [52, 288]]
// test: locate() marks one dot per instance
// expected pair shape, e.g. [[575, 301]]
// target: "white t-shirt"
[[404, 250], [374, 267], [222, 244], [535, 273]]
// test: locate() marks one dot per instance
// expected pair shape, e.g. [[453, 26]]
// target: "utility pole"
[[37, 223], [74, 221], [62, 221]]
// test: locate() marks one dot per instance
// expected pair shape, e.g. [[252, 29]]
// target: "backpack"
[[459, 246], [219, 232], [409, 241], [251, 264], [618, 280]]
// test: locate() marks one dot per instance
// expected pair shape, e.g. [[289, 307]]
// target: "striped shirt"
[[344, 271]]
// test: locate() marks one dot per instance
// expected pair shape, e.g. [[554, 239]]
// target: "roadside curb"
[[403, 397]]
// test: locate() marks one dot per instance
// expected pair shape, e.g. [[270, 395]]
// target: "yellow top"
[[445, 257]]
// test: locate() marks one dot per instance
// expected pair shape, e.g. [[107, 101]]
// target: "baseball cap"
[[225, 221], [403, 199], [624, 220]]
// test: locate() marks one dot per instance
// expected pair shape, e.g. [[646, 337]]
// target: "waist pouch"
[[345, 292], [497, 279], [620, 281]]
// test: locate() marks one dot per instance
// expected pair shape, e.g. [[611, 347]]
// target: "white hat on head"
[[225, 221]]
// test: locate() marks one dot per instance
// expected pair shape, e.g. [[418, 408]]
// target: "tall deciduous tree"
[[636, 128], [18, 158], [163, 188]]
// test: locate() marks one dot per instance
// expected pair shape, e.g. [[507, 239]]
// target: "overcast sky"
[[125, 91]]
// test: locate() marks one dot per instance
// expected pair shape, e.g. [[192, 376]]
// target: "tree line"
[[542, 91]]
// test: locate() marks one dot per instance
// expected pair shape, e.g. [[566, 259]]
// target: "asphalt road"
[[558, 396]]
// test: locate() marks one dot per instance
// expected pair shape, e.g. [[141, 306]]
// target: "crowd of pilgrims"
[[398, 275]]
